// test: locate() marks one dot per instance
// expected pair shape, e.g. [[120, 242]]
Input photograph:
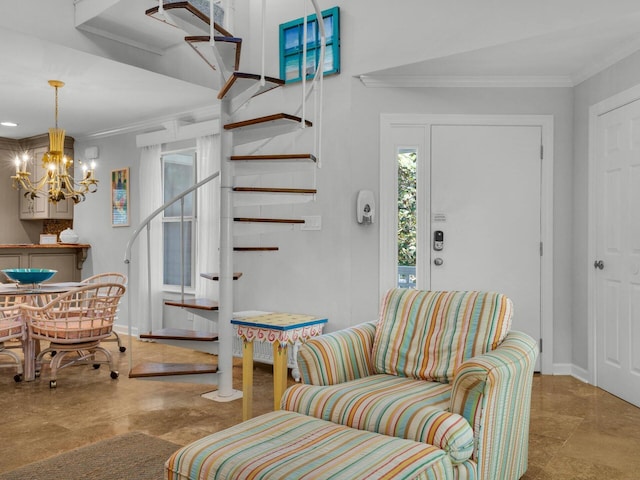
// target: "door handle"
[[438, 261], [598, 264]]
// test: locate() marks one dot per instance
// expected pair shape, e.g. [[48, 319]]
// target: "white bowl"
[[69, 236]]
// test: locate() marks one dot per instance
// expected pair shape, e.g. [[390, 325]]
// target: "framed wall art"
[[120, 197]]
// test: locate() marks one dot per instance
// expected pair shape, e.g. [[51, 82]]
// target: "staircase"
[[242, 193]]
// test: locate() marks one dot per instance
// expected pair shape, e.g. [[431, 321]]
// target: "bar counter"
[[66, 258]]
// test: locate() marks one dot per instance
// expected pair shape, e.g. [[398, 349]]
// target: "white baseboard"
[[562, 368], [581, 374], [573, 371], [124, 330]]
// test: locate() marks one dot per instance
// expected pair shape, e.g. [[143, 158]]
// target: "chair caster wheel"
[[96, 366], [123, 349], [53, 384], [18, 377], [114, 375]]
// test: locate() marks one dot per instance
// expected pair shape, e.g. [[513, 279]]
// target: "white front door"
[[485, 199], [483, 187], [617, 262]]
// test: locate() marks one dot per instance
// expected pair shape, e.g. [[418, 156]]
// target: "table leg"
[[247, 380], [279, 373], [29, 349]]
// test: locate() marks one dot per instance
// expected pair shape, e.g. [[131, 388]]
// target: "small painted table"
[[281, 330]]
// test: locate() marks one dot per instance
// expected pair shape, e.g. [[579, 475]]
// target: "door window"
[[407, 219]]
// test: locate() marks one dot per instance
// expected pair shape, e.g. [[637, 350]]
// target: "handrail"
[[146, 221], [127, 256]]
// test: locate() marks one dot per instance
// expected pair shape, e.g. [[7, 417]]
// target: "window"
[[292, 42], [407, 220], [178, 174]]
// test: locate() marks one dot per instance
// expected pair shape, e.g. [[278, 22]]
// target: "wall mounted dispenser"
[[365, 207]]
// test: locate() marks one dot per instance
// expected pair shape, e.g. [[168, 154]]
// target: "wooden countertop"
[[37, 245]]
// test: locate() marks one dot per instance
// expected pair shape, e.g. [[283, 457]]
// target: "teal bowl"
[[29, 275]]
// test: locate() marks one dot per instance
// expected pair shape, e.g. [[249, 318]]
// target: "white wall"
[[92, 218]]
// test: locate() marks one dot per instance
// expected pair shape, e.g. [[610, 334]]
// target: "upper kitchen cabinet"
[[40, 208]]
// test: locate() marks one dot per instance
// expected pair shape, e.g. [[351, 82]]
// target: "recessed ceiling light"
[[9, 124]]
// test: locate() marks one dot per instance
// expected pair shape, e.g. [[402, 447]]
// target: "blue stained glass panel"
[[291, 38]]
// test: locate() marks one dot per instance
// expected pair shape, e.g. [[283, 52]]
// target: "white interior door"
[[485, 199], [617, 295]]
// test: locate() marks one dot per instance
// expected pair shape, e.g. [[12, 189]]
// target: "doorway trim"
[[611, 103], [387, 203]]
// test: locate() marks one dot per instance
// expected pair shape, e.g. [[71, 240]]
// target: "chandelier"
[[56, 183]]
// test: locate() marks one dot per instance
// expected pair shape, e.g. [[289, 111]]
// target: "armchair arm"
[[337, 357], [493, 392]]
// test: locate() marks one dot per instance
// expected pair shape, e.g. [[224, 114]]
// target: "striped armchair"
[[441, 368]]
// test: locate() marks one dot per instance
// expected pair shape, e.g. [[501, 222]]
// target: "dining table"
[[35, 295]]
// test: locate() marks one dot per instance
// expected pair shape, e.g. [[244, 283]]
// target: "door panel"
[[485, 198], [617, 297]]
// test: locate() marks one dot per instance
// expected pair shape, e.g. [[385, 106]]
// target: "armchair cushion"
[[428, 334]]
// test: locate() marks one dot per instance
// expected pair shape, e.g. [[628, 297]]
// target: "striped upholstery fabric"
[[427, 335], [493, 391], [337, 357], [285, 445], [395, 406]]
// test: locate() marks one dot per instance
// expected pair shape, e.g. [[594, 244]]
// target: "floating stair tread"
[[275, 190], [268, 220], [216, 276], [181, 334], [256, 249], [261, 128], [238, 82], [275, 158], [198, 303], [168, 369], [187, 14], [228, 48], [276, 118]]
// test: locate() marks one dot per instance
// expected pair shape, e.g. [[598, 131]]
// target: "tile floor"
[[577, 431]]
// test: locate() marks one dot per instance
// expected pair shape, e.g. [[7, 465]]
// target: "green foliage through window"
[[407, 221]]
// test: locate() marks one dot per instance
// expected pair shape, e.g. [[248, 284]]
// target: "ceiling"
[[103, 96]]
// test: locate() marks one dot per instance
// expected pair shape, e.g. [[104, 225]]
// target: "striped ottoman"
[[287, 445]]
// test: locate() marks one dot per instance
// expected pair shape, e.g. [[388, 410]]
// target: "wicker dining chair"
[[11, 329], [75, 323], [110, 277]]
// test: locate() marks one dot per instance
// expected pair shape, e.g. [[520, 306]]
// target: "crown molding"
[[187, 117], [465, 81]]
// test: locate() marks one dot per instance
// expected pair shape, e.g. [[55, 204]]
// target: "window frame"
[[313, 45], [193, 219]]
